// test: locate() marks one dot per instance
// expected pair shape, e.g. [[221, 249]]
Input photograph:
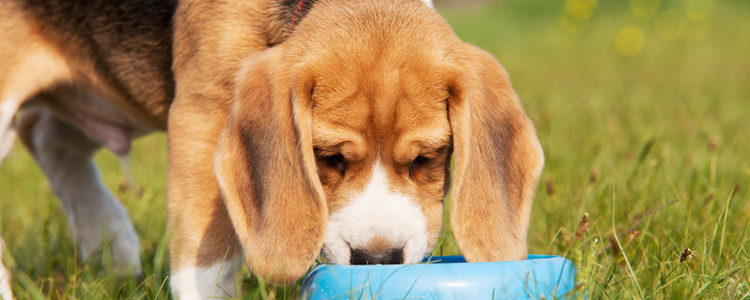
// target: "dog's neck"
[[285, 15], [300, 10]]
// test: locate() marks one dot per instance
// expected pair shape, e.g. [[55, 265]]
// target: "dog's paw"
[[126, 252], [111, 231]]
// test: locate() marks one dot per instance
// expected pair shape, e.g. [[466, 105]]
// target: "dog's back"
[[124, 46]]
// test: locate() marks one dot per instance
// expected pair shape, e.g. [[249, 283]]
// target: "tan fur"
[[197, 117], [263, 171], [39, 55], [252, 129], [498, 163], [29, 62]]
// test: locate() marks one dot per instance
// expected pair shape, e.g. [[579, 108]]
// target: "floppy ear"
[[497, 163], [266, 170]]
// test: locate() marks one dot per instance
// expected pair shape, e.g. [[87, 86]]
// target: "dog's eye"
[[336, 162], [417, 164]]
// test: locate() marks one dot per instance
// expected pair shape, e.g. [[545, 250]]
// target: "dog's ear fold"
[[267, 173], [497, 162]]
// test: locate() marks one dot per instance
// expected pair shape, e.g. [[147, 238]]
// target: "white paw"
[[126, 251], [117, 230], [215, 281]]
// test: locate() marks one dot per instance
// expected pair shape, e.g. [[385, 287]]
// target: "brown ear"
[[498, 160], [266, 170]]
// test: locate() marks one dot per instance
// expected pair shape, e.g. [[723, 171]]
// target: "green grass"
[[621, 135]]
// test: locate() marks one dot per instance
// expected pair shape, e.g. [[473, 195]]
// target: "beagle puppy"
[[295, 128]]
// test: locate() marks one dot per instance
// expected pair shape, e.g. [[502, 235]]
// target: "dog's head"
[[341, 139]]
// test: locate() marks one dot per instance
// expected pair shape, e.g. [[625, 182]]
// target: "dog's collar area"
[[295, 14], [299, 12]]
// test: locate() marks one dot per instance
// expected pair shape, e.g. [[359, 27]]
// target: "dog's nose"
[[390, 257]]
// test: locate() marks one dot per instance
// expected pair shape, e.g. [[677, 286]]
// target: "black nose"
[[391, 257]]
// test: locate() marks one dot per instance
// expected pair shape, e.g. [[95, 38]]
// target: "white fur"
[[216, 281], [7, 131], [6, 142], [377, 211], [8, 109], [5, 292], [429, 3]]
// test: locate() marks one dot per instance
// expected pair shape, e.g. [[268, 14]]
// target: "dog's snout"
[[390, 257]]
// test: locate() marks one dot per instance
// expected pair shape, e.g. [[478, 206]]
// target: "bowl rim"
[[446, 260], [565, 271]]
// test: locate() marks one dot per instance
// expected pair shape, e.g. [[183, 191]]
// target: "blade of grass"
[[630, 272]]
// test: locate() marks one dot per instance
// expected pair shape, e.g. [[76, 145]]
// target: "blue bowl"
[[444, 277]]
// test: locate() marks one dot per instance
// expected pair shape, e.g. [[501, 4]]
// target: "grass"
[[633, 111]]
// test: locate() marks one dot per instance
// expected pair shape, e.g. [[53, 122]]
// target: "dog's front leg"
[[205, 253]]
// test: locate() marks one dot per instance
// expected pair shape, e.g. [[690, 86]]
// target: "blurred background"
[[642, 108]]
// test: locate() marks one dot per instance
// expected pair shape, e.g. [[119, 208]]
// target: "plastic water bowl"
[[444, 277]]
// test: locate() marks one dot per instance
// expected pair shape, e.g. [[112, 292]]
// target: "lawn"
[[642, 108]]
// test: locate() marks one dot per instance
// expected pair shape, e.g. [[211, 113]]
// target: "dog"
[[295, 129]]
